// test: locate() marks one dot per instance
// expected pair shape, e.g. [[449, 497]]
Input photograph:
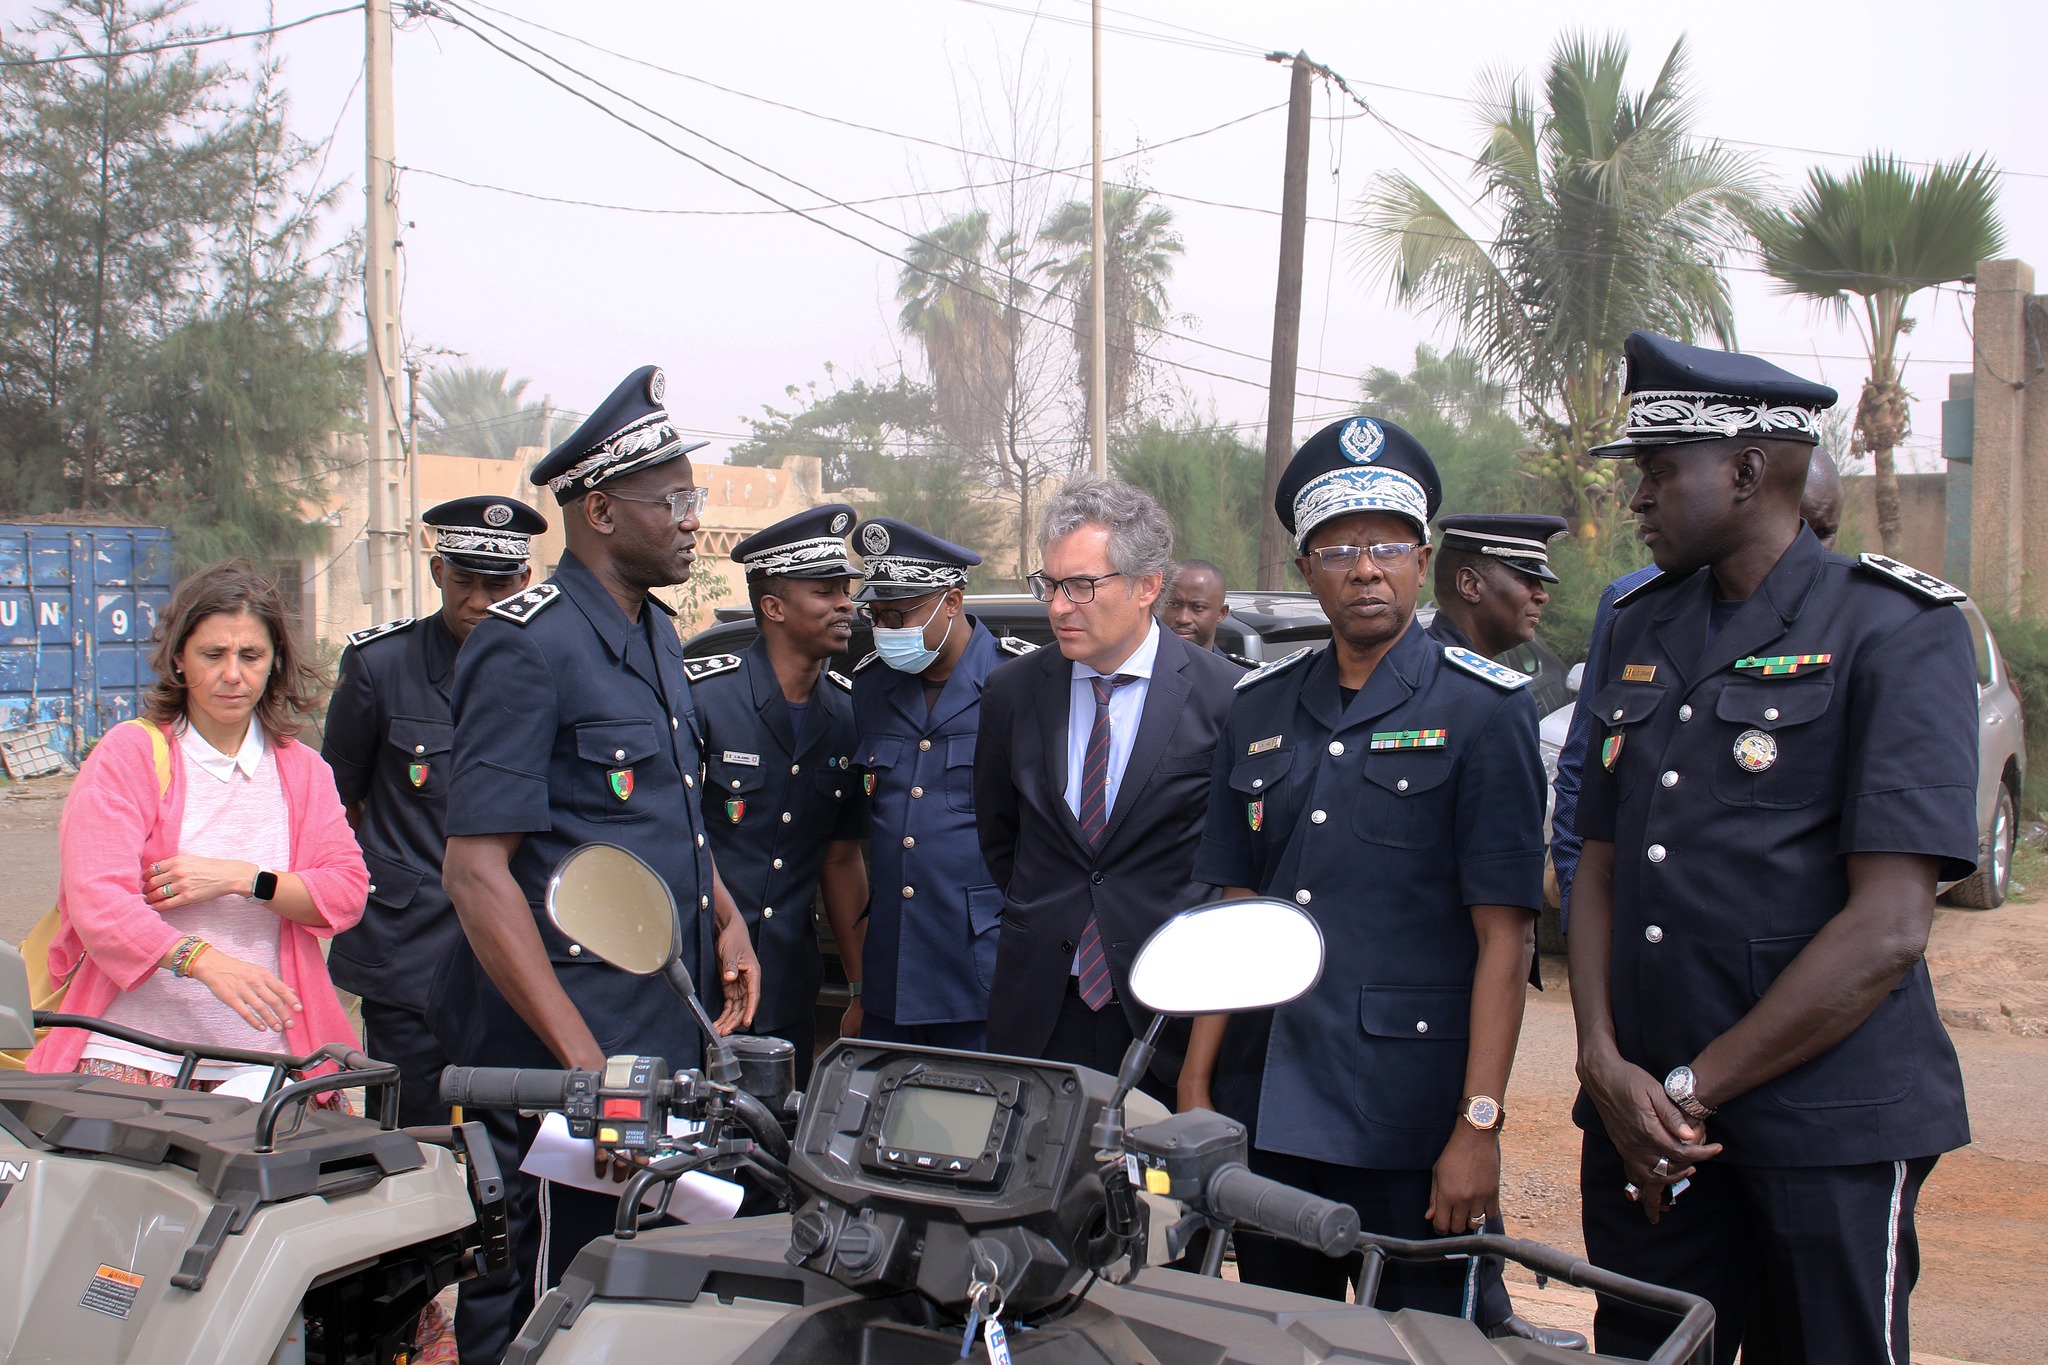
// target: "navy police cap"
[[1520, 540], [630, 430], [901, 561], [1361, 464], [810, 544], [484, 534], [1679, 393]]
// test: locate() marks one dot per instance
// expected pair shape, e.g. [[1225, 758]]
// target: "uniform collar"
[[441, 645], [1397, 678], [217, 765], [1682, 624], [1446, 630]]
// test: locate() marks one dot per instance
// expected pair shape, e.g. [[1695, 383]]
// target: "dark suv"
[[1261, 625]]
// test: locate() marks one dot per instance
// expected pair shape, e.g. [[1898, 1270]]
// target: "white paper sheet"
[[698, 1198]]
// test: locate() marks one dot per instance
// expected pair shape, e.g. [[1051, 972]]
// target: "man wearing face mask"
[[922, 975]]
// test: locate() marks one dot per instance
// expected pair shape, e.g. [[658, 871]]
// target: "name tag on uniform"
[[1260, 746], [1410, 739], [744, 760], [1639, 673]]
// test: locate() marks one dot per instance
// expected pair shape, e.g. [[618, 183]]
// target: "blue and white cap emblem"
[[1361, 440]]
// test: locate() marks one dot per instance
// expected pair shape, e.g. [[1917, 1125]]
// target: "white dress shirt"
[[1126, 706]]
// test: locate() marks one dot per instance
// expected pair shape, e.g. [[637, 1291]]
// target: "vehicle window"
[[1523, 659]]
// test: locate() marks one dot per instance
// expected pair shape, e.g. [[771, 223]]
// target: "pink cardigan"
[[114, 826]]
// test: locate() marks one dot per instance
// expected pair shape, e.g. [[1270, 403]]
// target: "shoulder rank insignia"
[[363, 637], [1240, 660], [873, 655], [522, 607], [1280, 665], [1926, 584], [1647, 586], [840, 678], [1479, 666], [1010, 644], [710, 666]]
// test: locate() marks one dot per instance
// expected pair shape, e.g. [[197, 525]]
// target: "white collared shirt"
[[1126, 706], [219, 765]]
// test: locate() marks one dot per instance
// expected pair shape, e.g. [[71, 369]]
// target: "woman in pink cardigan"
[[193, 910]]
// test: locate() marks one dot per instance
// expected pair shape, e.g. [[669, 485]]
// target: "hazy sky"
[[737, 304]]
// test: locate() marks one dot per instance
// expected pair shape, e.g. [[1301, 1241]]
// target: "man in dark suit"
[[1091, 781]]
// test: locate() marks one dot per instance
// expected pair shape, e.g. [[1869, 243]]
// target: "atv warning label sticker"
[[112, 1291]]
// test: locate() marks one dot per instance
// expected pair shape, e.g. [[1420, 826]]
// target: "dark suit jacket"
[[1142, 873]]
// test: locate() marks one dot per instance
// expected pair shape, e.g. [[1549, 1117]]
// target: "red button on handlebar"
[[620, 1109]]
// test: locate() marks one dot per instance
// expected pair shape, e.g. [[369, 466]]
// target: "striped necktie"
[[1090, 961]]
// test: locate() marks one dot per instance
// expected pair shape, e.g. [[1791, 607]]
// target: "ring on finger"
[[1663, 1166]]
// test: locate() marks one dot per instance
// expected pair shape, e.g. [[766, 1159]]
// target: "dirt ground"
[[1983, 1293]]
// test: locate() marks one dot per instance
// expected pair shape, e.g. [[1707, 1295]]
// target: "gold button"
[[924, 744], [909, 891], [917, 791]]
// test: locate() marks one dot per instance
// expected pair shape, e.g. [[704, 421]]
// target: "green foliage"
[[478, 412], [169, 336], [1211, 482], [1139, 244], [1604, 548], [855, 430], [1448, 403], [1612, 217]]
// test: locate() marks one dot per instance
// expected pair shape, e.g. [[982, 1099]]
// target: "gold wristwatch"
[[1484, 1113]]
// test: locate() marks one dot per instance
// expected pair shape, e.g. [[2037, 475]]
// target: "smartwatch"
[[266, 886], [1484, 1113]]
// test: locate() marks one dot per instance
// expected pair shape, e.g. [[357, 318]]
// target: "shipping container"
[[78, 605]]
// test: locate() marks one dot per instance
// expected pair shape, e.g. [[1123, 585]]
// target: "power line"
[[113, 53]]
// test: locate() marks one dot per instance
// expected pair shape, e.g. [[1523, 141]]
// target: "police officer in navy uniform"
[[1783, 767], [781, 801], [934, 911], [1392, 787], [574, 724], [388, 737], [1492, 578]]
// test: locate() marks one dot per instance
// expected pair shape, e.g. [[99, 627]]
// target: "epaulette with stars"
[[840, 678], [1906, 576], [1010, 644], [1479, 666], [1270, 670], [363, 637], [710, 666], [522, 607]]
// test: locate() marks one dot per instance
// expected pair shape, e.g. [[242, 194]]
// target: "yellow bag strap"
[[161, 747]]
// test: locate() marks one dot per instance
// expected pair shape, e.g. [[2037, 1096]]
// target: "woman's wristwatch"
[[266, 886]]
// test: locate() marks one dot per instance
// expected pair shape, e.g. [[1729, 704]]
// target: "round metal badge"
[[657, 387], [1755, 750], [497, 514], [1361, 440], [841, 522], [874, 538]]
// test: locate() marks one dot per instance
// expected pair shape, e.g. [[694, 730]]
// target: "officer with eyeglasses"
[[1391, 787], [921, 976]]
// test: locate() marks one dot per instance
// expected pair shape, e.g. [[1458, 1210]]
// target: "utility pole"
[[1098, 341], [414, 534], [1275, 550], [381, 357]]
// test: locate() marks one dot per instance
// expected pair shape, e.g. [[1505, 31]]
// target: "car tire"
[[1985, 889]]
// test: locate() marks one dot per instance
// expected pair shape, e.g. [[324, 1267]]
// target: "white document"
[[698, 1198]]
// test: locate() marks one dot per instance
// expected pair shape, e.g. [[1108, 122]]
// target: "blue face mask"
[[903, 649]]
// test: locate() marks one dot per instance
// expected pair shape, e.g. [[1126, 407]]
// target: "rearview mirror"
[[615, 906], [1229, 956], [17, 1009], [1575, 677]]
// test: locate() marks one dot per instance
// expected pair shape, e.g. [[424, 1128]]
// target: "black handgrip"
[[1235, 1195], [504, 1087]]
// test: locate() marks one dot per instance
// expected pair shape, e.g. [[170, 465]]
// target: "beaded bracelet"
[[186, 953]]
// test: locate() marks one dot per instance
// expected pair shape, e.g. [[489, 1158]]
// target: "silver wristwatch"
[[1678, 1085]]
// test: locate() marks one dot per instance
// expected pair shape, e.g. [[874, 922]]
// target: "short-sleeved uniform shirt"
[[1385, 819], [389, 737], [1834, 712], [773, 800], [574, 725], [934, 910]]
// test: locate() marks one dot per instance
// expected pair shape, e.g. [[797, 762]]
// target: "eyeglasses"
[[1341, 558], [1080, 589], [895, 618], [682, 504]]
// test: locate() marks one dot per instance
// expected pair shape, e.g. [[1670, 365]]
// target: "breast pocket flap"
[[616, 743], [960, 751], [1254, 775], [882, 753], [1408, 772], [1423, 1012], [1627, 703], [1769, 705], [420, 738], [391, 883]]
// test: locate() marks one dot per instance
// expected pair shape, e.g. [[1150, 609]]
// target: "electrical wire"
[[180, 43]]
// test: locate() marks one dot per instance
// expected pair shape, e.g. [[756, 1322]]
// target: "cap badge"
[[657, 387], [417, 773], [875, 539], [497, 514], [1361, 440], [621, 780], [1610, 751], [841, 522], [1755, 750]]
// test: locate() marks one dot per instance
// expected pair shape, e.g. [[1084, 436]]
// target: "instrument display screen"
[[945, 1122]]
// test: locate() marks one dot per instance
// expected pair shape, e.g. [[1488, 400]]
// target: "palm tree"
[[1880, 236], [1139, 245], [952, 303], [477, 412], [1611, 217]]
